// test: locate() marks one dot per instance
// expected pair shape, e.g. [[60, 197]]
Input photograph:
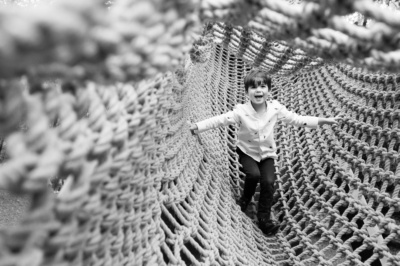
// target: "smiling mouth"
[[258, 96]]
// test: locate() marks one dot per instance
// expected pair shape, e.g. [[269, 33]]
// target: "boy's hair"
[[255, 78]]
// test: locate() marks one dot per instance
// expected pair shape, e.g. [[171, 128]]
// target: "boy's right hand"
[[194, 129]]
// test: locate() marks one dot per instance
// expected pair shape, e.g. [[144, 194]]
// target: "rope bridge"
[[97, 98]]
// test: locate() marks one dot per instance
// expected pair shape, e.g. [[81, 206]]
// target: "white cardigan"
[[256, 133]]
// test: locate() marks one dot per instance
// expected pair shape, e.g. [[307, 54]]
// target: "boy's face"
[[259, 94]]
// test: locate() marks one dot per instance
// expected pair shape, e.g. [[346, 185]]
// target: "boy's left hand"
[[338, 118], [329, 121]]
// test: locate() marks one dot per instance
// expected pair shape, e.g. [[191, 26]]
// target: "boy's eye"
[[261, 86]]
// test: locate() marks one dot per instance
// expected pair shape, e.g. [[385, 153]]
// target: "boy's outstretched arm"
[[226, 119]]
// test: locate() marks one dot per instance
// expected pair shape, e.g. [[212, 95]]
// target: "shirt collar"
[[251, 109]]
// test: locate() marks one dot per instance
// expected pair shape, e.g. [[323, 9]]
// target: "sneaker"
[[268, 226], [243, 204]]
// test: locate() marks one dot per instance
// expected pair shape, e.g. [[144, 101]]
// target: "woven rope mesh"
[[99, 108]]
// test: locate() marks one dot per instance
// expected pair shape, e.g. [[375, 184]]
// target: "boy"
[[256, 145]]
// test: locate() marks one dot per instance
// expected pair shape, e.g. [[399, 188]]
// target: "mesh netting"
[[138, 189]]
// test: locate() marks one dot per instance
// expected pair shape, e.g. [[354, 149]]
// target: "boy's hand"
[[339, 118], [194, 129], [329, 121]]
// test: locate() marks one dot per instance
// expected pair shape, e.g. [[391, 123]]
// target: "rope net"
[[93, 105]]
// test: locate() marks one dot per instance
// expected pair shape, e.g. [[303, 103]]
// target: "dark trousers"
[[263, 171]]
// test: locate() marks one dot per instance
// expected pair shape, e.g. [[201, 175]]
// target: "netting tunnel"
[[95, 104]]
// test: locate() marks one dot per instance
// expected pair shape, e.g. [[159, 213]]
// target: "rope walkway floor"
[[95, 101]]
